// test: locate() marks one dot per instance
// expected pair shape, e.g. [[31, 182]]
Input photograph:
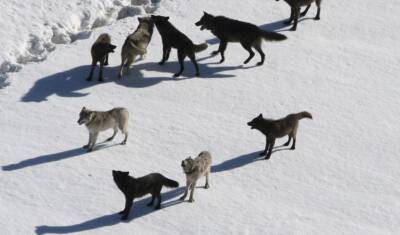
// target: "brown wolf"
[[273, 129], [230, 30], [138, 187], [99, 51], [173, 38], [295, 10]]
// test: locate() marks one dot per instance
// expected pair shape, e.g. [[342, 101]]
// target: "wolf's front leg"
[[90, 138], [207, 175], [112, 137], [192, 187], [93, 141], [186, 190], [127, 209]]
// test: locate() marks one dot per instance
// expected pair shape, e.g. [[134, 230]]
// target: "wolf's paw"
[[157, 207], [206, 186], [292, 148], [161, 62], [176, 75], [109, 139], [260, 63], [123, 143], [317, 18], [222, 60], [125, 217], [149, 204], [267, 157], [197, 74], [88, 79], [191, 200], [262, 153], [182, 198], [121, 212], [101, 80], [293, 29], [106, 63], [85, 146], [89, 150], [214, 52]]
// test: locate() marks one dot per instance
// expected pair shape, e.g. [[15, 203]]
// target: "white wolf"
[[194, 169], [97, 121]]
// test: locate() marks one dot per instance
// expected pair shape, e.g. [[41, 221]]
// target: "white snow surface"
[[341, 179]]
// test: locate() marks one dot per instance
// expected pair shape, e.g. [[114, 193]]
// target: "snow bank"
[[32, 29]]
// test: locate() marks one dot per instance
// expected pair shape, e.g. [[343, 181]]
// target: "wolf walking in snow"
[[136, 43], [273, 129], [195, 169], [97, 121], [173, 38], [230, 30], [99, 51], [138, 187], [295, 6]]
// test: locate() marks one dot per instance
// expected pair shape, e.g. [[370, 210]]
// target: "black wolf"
[[138, 187], [273, 129], [99, 51], [230, 30], [295, 10], [172, 38]]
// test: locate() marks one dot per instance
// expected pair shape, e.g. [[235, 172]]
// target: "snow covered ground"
[[341, 179]]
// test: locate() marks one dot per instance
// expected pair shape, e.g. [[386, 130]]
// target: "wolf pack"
[[226, 30]]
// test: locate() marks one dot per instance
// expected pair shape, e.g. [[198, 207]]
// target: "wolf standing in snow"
[[273, 129], [295, 10], [99, 51], [173, 38], [229, 30], [138, 187], [194, 169], [97, 121], [136, 43]]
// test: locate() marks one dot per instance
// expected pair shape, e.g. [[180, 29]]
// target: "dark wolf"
[[230, 30], [295, 6], [273, 129], [138, 187], [99, 51], [172, 38]]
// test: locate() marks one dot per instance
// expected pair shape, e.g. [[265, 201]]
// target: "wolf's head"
[[187, 165], [159, 19], [119, 176], [146, 22], [256, 122], [85, 116], [206, 21]]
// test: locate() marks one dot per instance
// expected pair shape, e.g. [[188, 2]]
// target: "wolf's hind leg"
[[193, 59], [251, 52], [288, 142], [152, 200], [258, 48], [306, 10], [181, 57], [115, 132]]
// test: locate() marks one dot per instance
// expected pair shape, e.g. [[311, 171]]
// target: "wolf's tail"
[[199, 47], [170, 183], [304, 114], [272, 36]]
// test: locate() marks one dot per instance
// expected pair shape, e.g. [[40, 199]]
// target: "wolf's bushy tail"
[[170, 183], [304, 114], [272, 36], [200, 47]]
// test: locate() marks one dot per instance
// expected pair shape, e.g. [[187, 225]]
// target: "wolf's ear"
[[260, 116], [84, 108], [140, 19], [166, 18], [125, 173]]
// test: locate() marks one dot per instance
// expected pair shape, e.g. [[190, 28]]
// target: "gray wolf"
[[295, 6], [99, 51], [136, 43], [97, 121], [273, 129], [172, 38], [230, 30], [138, 187], [194, 169]]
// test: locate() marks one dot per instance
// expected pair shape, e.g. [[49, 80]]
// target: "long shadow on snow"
[[236, 162], [69, 83], [51, 157], [139, 209]]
